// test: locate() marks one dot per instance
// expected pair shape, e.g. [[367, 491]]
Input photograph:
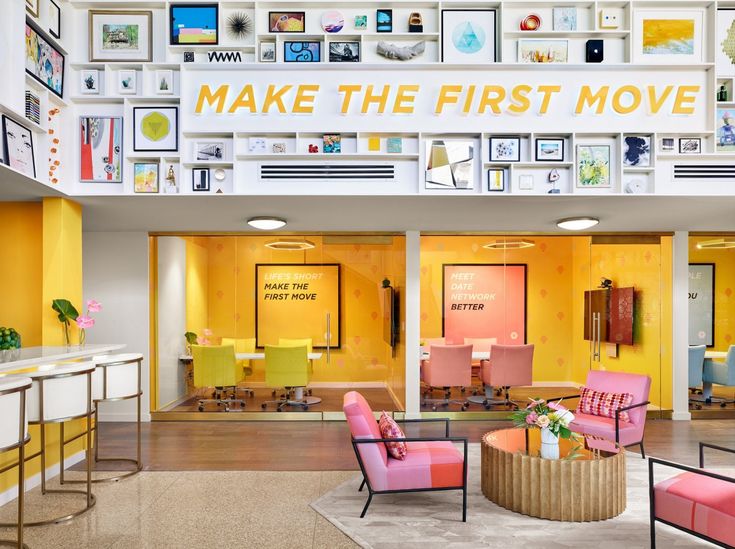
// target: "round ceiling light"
[[577, 223], [509, 244], [289, 245], [266, 223]]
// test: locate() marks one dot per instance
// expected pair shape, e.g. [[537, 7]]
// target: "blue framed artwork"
[[384, 21], [302, 52], [194, 24]]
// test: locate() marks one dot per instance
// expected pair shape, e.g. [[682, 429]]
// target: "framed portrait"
[[200, 179], [725, 42], [384, 20], [450, 164], [302, 52], [702, 304], [209, 151], [505, 149], [164, 83], [101, 149], [54, 19], [637, 150], [667, 35], [156, 129], [690, 145], [267, 52], [287, 21], [89, 81], [469, 36], [18, 147], [344, 52], [593, 166], [549, 150], [193, 24], [43, 61], [120, 35], [127, 82], [32, 7], [145, 177], [543, 51], [496, 180]]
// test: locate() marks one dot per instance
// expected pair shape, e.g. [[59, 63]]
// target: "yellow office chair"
[[242, 346], [287, 342], [215, 366], [287, 367]]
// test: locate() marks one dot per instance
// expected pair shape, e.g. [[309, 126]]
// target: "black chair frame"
[[446, 437], [699, 471]]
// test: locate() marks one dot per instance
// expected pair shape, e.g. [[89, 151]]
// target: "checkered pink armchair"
[[431, 463]]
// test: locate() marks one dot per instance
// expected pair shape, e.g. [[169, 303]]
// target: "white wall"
[[171, 318], [115, 267]]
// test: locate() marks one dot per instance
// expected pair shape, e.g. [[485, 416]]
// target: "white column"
[[413, 322], [680, 326]]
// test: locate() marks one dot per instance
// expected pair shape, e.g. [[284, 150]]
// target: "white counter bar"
[[31, 356]]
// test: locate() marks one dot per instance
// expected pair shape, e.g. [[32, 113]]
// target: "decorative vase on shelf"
[[82, 337], [549, 444]]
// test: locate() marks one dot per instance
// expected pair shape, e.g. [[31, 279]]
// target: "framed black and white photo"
[[267, 52], [690, 145], [469, 36], [505, 149], [18, 147], [156, 129], [344, 52], [210, 151], [54, 19], [549, 150], [200, 179]]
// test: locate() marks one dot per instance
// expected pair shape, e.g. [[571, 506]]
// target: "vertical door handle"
[[329, 335]]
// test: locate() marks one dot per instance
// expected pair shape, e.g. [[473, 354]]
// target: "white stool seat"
[[64, 391], [10, 410], [116, 376]]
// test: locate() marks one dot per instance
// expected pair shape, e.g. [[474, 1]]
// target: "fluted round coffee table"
[[586, 488]]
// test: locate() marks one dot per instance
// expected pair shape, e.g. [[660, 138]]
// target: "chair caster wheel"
[[279, 410], [306, 408], [463, 390], [273, 393], [242, 405], [201, 408], [698, 406], [723, 404], [433, 408], [423, 403], [487, 406], [227, 408], [263, 406]]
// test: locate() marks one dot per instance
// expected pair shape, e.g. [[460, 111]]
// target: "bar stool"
[[13, 411], [61, 393], [117, 377]]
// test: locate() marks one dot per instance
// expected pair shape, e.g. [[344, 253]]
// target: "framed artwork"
[[725, 42], [288, 21], [384, 20], [210, 151], [194, 24], [267, 52], [200, 179], [725, 130], [690, 145], [666, 35], [393, 145], [145, 179], [450, 164], [120, 35], [302, 52], [333, 21], [156, 129], [89, 81], [667, 144], [525, 182], [564, 18], [702, 304], [54, 19], [637, 150], [164, 83], [593, 166], [496, 180], [256, 145], [505, 149], [101, 149], [360, 22], [44, 62], [127, 81], [18, 147], [32, 7], [469, 36], [543, 51], [550, 150], [279, 147], [344, 52], [332, 143]]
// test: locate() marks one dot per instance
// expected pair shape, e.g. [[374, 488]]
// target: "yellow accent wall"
[[197, 282]]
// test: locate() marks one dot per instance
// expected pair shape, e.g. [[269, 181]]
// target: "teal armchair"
[[719, 373]]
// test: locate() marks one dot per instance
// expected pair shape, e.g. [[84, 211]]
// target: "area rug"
[[434, 519]]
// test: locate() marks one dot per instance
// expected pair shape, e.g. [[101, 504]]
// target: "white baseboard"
[[572, 384], [324, 384], [125, 417], [681, 416], [31, 482]]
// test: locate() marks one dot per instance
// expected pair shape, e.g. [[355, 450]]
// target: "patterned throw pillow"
[[390, 429], [600, 403]]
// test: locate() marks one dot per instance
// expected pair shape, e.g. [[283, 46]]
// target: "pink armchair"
[[699, 502], [431, 463], [509, 366], [448, 366]]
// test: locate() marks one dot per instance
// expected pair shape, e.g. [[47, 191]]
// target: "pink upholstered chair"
[[448, 366], [623, 433], [697, 501], [431, 463], [509, 366], [428, 342], [479, 345]]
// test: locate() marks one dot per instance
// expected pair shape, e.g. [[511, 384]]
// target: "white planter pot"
[[549, 444]]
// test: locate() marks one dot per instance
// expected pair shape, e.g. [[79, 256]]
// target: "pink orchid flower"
[[207, 332], [94, 306], [203, 341], [85, 322], [531, 418], [557, 406], [534, 403]]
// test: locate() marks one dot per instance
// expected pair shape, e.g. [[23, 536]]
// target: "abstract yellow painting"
[[668, 36]]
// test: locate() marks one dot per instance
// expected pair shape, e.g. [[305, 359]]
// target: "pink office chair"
[[509, 366], [448, 366], [479, 345], [428, 342]]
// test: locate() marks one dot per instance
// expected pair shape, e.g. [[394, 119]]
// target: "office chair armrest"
[[703, 445], [445, 420], [682, 467], [625, 409]]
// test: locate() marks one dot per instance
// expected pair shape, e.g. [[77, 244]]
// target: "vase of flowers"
[[66, 312], [86, 321], [552, 418]]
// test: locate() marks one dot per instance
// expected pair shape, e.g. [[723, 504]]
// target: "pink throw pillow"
[[390, 429], [600, 403]]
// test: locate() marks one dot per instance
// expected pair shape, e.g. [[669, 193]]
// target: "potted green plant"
[[66, 313]]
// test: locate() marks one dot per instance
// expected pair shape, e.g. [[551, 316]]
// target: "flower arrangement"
[[545, 415], [86, 321]]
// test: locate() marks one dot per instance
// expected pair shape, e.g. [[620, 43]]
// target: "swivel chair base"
[[219, 393], [446, 401], [299, 399], [488, 401], [707, 399]]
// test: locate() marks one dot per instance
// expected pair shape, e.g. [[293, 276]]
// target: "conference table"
[[476, 355]]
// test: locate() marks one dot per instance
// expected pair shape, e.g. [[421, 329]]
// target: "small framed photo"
[[194, 24], [120, 35], [267, 52], [667, 144], [637, 150], [394, 145], [164, 84], [525, 182], [89, 81], [496, 180], [210, 151], [279, 147], [127, 82], [332, 143], [384, 21], [200, 179], [288, 21], [32, 7], [505, 149], [344, 52], [54, 19], [256, 145], [18, 147], [360, 22], [543, 51], [302, 52], [690, 145], [146, 177], [550, 150]]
